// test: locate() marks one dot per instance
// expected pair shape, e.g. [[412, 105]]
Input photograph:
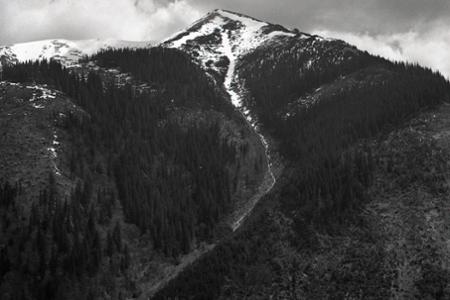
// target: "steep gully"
[[241, 213], [236, 220]]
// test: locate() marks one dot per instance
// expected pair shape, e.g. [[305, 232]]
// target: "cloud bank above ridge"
[[412, 30]]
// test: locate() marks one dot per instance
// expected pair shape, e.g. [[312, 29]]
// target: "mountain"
[[221, 37], [233, 49], [66, 51], [222, 41], [236, 159], [322, 108]]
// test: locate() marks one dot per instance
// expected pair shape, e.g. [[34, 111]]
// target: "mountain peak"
[[222, 36], [239, 27]]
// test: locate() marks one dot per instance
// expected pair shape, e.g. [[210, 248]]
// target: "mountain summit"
[[221, 40], [222, 36], [245, 32]]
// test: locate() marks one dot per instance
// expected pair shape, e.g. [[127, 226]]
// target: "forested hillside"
[[349, 97], [171, 70], [175, 180], [60, 245], [369, 95], [120, 173], [155, 162]]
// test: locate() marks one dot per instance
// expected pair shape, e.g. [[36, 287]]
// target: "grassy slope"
[[27, 132]]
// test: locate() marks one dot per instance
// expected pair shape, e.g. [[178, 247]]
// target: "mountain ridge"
[[68, 52]]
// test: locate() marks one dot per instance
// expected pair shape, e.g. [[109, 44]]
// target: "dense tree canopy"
[[329, 166]]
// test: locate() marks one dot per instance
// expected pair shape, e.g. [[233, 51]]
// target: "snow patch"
[[44, 92], [55, 140], [37, 106], [228, 51], [54, 154], [52, 151]]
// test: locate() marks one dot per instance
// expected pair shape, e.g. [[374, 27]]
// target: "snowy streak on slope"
[[269, 179], [227, 36], [248, 40], [228, 52]]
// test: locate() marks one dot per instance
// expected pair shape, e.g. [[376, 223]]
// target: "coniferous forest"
[[154, 161], [330, 165], [58, 245], [172, 181], [328, 176]]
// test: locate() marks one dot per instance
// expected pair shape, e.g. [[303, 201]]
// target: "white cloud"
[[430, 48], [25, 20]]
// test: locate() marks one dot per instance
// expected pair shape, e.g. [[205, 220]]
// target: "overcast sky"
[[414, 30]]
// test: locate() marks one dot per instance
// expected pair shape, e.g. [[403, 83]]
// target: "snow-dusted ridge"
[[246, 33], [204, 39], [68, 52]]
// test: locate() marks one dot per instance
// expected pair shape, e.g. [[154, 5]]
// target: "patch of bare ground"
[[33, 143]]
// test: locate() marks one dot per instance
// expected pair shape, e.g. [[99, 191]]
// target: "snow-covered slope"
[[222, 36], [66, 51]]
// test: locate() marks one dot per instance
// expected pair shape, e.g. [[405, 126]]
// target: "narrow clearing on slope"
[[244, 209]]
